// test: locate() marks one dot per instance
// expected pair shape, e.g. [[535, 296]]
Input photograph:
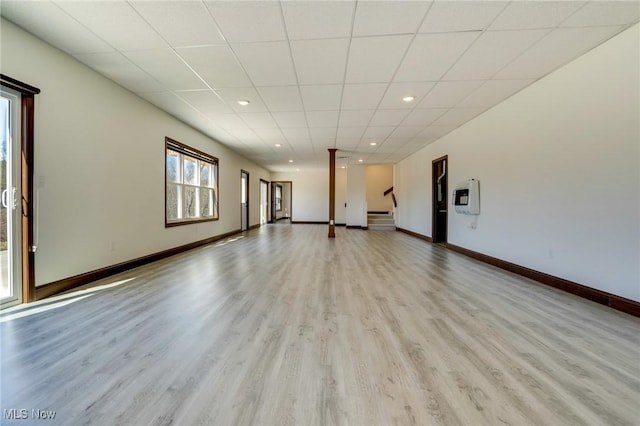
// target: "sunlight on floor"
[[55, 302]]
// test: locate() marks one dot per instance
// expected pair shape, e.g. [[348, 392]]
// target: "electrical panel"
[[466, 197]]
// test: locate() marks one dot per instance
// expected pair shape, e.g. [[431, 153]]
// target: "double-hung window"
[[191, 189]]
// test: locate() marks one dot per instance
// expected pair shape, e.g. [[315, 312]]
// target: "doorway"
[[244, 201], [439, 174], [264, 203], [281, 200], [10, 188]]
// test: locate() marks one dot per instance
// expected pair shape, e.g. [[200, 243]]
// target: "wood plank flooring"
[[283, 326]]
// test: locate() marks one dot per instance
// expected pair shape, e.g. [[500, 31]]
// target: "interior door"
[[439, 215], [10, 188], [244, 201]]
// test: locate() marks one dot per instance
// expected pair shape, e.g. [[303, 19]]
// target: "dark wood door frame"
[[27, 124], [439, 221], [246, 207], [268, 212], [273, 199]]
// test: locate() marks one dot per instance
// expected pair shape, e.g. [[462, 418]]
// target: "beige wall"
[[379, 179]]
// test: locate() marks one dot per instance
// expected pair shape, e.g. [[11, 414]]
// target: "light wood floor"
[[286, 327]]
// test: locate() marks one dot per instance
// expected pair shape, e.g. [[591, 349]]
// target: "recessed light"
[[291, 161], [373, 143], [360, 160], [243, 102], [343, 167], [408, 98], [278, 145]]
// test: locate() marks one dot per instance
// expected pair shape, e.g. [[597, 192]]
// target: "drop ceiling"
[[324, 74]]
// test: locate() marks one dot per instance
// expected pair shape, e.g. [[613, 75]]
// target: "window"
[[278, 198], [191, 189]]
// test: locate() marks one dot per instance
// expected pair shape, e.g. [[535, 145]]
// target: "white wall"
[[356, 195], [341, 197], [310, 195], [379, 179], [99, 150], [558, 165]]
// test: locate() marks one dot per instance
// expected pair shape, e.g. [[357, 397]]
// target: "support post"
[[332, 192]]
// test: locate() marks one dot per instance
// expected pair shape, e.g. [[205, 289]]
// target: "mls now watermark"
[[24, 414]]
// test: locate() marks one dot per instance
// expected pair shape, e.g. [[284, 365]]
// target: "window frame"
[[174, 145]]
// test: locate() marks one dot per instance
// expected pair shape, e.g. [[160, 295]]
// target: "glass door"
[[10, 220]]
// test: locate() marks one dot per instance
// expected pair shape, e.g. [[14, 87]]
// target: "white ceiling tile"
[[447, 94], [355, 118], [117, 23], [296, 133], [119, 69], [388, 17], [290, 119], [268, 64], [458, 116], [232, 95], [377, 132], [180, 23], [170, 103], [248, 21], [362, 96], [492, 92], [388, 117], [345, 144], [217, 65], [281, 98], [556, 49], [393, 97], [423, 117], [322, 145], [433, 132], [205, 101], [229, 121], [318, 19], [320, 61], [431, 55], [491, 52], [522, 15], [375, 59], [406, 131], [247, 136], [349, 133], [271, 136], [258, 120], [605, 13], [318, 133], [321, 98], [58, 29], [166, 67], [452, 16], [322, 118]]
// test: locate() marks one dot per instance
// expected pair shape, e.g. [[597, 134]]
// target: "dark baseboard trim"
[[619, 303], [341, 224], [309, 222], [377, 212], [415, 234], [65, 284], [254, 226], [363, 228]]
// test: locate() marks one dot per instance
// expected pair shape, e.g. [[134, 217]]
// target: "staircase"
[[381, 222]]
